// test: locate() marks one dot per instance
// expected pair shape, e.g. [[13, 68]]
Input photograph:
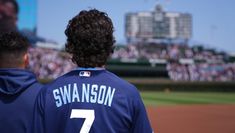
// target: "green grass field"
[[175, 98]]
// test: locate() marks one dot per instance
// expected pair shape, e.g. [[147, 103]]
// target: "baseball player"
[[18, 87], [90, 99]]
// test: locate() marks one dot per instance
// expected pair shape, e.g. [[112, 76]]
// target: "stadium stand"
[[177, 62]]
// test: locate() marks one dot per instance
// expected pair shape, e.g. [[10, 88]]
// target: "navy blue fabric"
[[122, 112], [18, 91]]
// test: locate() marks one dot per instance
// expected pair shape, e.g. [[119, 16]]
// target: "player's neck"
[[91, 68]]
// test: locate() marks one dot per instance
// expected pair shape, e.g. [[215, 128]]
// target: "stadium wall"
[[137, 69], [154, 77], [153, 84], [156, 84]]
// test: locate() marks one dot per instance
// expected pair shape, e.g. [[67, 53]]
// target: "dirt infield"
[[193, 119]]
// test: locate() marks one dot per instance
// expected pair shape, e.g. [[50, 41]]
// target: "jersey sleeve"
[[141, 122], [38, 125]]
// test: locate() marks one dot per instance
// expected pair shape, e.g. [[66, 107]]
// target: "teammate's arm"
[[38, 125]]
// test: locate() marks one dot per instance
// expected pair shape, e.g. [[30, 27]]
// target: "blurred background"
[[177, 52], [176, 40]]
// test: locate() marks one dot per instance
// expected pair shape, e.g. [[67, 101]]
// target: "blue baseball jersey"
[[90, 101], [18, 91]]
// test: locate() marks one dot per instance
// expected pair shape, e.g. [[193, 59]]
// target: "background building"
[[27, 21], [27, 18], [157, 25]]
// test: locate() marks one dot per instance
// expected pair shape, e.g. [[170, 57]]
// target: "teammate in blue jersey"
[[90, 99], [18, 87]]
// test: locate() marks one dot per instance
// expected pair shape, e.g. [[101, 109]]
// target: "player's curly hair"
[[12, 46], [90, 38]]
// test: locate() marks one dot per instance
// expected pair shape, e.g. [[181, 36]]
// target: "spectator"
[[8, 16]]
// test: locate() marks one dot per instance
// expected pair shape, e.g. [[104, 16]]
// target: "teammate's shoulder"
[[37, 86], [58, 81]]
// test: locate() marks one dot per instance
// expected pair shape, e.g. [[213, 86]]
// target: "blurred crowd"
[[184, 63], [168, 52], [201, 72], [49, 63]]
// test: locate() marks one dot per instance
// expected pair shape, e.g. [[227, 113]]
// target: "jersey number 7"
[[89, 116]]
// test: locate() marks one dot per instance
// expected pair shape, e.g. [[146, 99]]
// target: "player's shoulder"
[[119, 80], [125, 85]]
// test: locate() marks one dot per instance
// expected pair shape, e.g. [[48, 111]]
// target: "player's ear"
[[26, 59]]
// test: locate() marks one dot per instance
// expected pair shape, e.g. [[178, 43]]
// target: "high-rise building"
[[27, 17], [131, 26], [158, 24], [145, 21]]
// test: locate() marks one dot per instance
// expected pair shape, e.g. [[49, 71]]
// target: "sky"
[[213, 20]]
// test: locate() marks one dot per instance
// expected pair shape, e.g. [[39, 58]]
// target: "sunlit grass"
[[176, 98]]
